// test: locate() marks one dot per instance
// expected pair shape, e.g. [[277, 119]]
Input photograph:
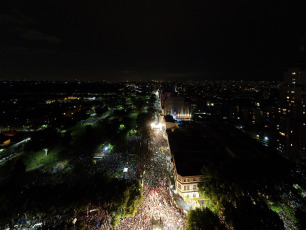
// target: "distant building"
[[72, 98], [176, 107]]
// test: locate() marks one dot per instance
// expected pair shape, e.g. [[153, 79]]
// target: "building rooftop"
[[191, 146], [169, 118], [198, 144]]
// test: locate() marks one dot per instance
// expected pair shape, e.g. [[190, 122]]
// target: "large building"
[[187, 160], [292, 125], [199, 144], [176, 107]]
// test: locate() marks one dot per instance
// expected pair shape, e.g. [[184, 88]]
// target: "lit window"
[[292, 91], [293, 73]]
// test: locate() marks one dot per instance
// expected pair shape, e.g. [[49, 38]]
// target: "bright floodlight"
[[125, 170], [156, 126], [266, 138], [106, 148]]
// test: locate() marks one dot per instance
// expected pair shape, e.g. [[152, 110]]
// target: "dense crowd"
[[158, 204]]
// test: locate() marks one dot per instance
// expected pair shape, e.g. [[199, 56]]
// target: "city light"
[[156, 126], [123, 154]]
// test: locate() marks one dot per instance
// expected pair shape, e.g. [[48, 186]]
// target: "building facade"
[[176, 107], [186, 176], [292, 125]]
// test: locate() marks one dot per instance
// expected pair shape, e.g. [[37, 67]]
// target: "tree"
[[46, 138], [203, 219], [125, 200], [301, 221], [248, 214], [20, 167], [143, 121], [240, 192], [101, 110]]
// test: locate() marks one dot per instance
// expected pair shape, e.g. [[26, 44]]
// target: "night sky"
[[144, 39]]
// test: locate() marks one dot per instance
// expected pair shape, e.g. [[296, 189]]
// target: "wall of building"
[[292, 126], [176, 107]]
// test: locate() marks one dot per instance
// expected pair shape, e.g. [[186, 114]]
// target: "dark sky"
[[144, 39]]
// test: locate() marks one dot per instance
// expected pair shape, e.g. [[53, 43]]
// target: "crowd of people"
[[114, 163], [158, 207], [158, 204]]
